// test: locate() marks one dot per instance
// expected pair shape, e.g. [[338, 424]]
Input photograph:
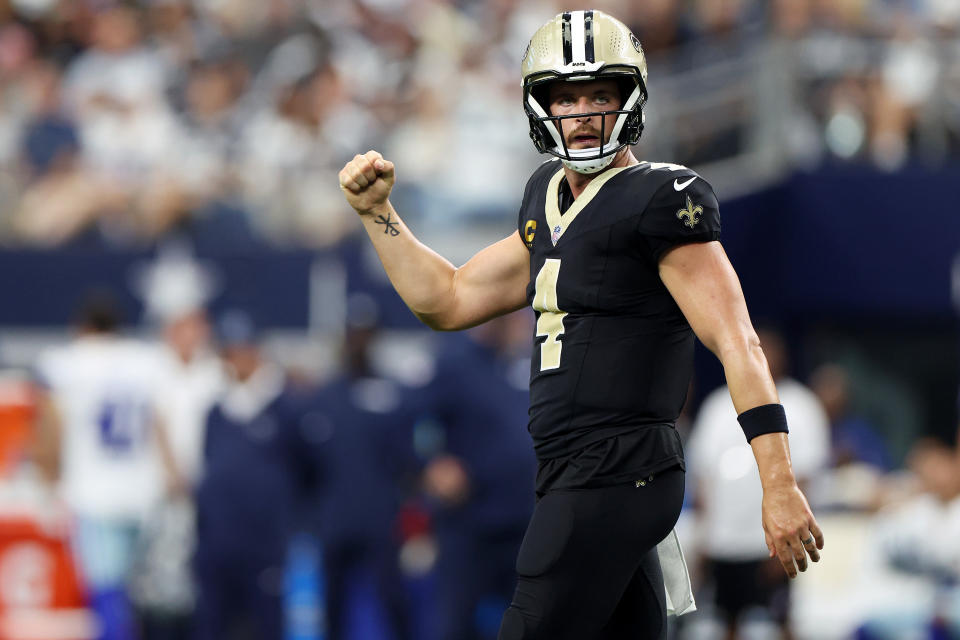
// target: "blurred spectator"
[[193, 383], [720, 20], [249, 497], [60, 199], [790, 18], [920, 536], [659, 25], [117, 77], [286, 146], [129, 136], [235, 116], [853, 438], [174, 288], [176, 32], [728, 494], [190, 383], [103, 443], [17, 50], [50, 141], [859, 457], [211, 121], [908, 75], [482, 476], [364, 453]]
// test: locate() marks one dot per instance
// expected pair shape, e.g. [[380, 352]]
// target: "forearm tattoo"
[[393, 228]]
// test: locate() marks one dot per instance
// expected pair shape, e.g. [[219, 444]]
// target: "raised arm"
[[444, 297], [703, 283]]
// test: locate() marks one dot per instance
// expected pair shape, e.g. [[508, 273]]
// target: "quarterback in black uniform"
[[621, 261]]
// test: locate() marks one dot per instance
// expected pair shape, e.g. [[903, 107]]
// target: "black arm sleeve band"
[[767, 418]]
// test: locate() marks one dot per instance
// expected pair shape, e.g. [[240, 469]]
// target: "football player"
[[101, 439], [621, 262]]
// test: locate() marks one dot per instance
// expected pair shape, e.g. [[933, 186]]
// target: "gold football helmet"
[[581, 46]]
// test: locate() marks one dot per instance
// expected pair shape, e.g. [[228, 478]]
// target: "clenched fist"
[[366, 181]]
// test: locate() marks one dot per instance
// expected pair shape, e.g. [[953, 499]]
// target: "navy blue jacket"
[[480, 400], [361, 443], [254, 480]]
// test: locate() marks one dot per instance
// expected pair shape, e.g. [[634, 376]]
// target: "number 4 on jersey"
[[550, 322]]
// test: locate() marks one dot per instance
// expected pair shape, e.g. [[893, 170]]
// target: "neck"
[[579, 181]]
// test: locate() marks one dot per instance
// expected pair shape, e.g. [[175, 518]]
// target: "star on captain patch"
[[690, 215], [556, 234]]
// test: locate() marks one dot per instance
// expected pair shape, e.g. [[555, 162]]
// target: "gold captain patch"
[[529, 230], [690, 215]]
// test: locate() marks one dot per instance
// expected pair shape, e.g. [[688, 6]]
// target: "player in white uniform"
[[193, 382], [110, 460], [190, 381], [730, 496]]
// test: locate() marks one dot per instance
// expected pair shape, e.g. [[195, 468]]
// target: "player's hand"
[[791, 531], [366, 181]]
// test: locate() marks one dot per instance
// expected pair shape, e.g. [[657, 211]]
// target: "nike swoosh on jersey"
[[680, 186]]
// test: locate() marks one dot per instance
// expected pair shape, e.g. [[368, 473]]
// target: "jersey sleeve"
[[680, 216], [526, 226], [522, 213]]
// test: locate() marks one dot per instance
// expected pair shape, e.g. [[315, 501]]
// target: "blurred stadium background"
[[182, 156]]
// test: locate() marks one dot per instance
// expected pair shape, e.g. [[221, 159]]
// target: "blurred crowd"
[[199, 487], [124, 121]]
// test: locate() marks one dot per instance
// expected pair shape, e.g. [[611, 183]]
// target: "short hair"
[[99, 312]]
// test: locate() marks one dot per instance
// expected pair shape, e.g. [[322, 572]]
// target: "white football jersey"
[[104, 388], [186, 393]]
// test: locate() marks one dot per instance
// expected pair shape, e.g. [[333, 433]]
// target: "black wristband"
[[767, 418]]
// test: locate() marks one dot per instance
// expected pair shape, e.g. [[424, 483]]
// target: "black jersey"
[[612, 351]]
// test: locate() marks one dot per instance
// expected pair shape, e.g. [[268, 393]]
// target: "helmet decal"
[[588, 51], [577, 33]]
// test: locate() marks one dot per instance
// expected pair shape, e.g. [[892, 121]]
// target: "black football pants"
[[588, 567]]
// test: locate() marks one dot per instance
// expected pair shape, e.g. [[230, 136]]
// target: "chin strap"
[[589, 166]]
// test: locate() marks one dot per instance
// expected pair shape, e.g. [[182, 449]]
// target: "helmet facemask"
[[546, 130]]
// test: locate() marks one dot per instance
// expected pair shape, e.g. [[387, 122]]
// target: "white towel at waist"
[[676, 578]]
